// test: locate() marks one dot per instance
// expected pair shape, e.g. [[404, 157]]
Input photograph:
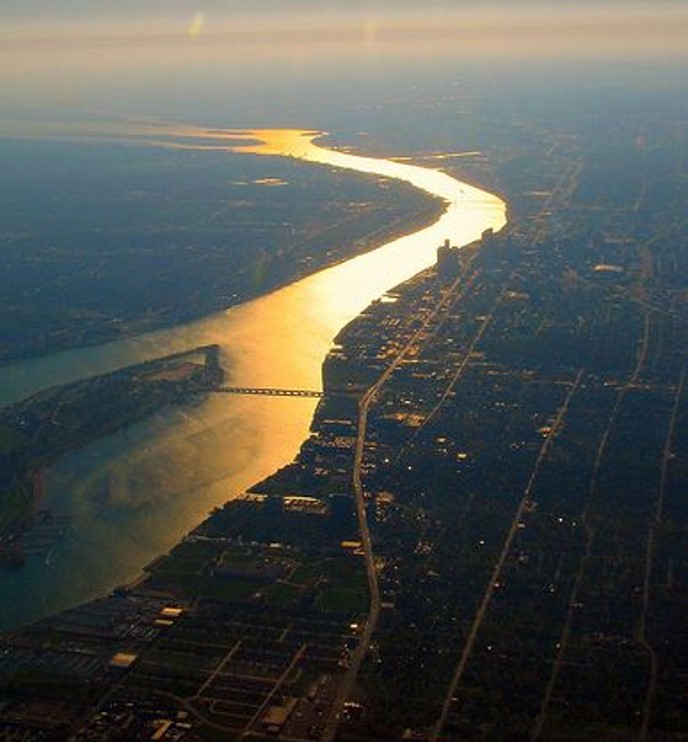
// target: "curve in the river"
[[132, 495]]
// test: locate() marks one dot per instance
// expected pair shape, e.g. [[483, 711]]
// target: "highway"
[[367, 399], [590, 531], [656, 523], [562, 193], [499, 565]]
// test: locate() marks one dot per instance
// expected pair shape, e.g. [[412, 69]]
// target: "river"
[[132, 495]]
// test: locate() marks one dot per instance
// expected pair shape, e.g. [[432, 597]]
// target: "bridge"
[[268, 391]]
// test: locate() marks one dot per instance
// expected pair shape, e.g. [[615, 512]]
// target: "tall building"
[[448, 264]]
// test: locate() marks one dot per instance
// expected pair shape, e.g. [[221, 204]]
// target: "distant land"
[[103, 241]]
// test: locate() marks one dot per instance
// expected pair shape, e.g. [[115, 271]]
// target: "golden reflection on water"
[[134, 494], [297, 323], [311, 311], [280, 339]]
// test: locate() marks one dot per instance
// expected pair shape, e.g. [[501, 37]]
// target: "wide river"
[[132, 495]]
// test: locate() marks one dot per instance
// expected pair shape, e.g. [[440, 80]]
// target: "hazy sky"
[[638, 23], [83, 50], [29, 8], [38, 12]]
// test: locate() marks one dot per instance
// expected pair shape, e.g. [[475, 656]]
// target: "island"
[[38, 430]]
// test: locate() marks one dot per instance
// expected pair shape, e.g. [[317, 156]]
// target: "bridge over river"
[[268, 391]]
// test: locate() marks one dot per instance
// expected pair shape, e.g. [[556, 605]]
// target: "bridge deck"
[[269, 391]]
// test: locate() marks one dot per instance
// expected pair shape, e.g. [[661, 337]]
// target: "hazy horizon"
[[624, 22], [77, 54]]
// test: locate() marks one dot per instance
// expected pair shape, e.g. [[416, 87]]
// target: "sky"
[[29, 8], [530, 27], [24, 18], [77, 51]]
